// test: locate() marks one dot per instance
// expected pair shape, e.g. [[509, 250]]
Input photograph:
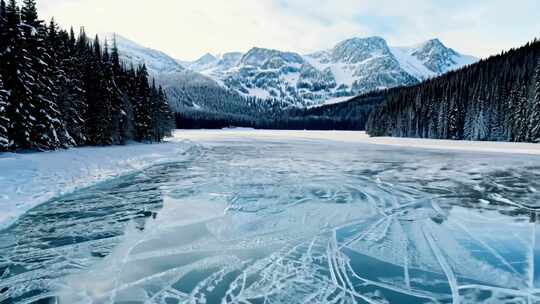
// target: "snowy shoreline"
[[27, 180], [363, 138]]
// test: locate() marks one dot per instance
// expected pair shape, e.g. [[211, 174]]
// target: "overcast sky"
[[187, 29]]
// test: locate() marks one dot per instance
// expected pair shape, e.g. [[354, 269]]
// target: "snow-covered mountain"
[[183, 86], [156, 61], [437, 57], [352, 67]]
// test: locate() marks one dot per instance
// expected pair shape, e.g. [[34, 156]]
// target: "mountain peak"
[[375, 41], [259, 56], [353, 66], [434, 45], [378, 39], [132, 53], [434, 42], [356, 50], [206, 61], [206, 58], [439, 58]]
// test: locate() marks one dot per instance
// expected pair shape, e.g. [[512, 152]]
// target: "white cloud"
[[187, 29]]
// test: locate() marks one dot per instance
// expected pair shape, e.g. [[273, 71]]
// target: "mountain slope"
[[233, 80], [186, 89], [497, 99], [156, 61], [436, 57], [352, 67]]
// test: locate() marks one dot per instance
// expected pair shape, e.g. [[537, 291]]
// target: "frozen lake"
[[253, 218]]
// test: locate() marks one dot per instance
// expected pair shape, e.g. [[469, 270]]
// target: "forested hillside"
[[350, 115], [61, 90], [497, 99]]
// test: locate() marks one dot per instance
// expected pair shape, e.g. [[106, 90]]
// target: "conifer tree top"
[[29, 14]]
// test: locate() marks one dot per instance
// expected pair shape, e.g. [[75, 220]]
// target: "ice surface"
[[27, 180], [264, 219]]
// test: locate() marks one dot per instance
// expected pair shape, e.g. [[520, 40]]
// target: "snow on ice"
[[27, 180]]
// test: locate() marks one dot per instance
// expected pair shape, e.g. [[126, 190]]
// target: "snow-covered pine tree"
[[90, 69], [108, 95], [29, 14], [453, 120], [161, 114], [520, 114], [495, 99], [113, 84], [59, 90], [67, 84], [128, 84], [534, 126], [166, 123], [48, 128], [4, 121], [114, 68], [13, 67], [98, 120], [3, 16], [143, 107], [155, 117]]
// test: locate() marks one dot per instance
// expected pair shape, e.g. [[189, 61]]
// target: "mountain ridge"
[[352, 67]]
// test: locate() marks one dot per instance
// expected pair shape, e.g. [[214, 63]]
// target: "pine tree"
[[59, 90], [29, 14], [71, 87], [161, 113], [99, 119], [142, 106], [72, 41], [156, 115], [122, 110], [166, 117], [535, 115], [519, 118], [13, 62], [13, 17], [126, 122], [115, 57], [4, 121], [66, 85], [113, 93], [3, 33], [39, 66], [3, 17]]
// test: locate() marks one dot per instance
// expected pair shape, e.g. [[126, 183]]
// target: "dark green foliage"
[[58, 90], [29, 14], [261, 114], [535, 115], [4, 122]]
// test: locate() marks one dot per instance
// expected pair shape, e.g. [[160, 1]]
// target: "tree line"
[[202, 119], [268, 114], [59, 90], [497, 99]]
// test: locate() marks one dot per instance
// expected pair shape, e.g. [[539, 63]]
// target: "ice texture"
[[30, 179], [263, 220]]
